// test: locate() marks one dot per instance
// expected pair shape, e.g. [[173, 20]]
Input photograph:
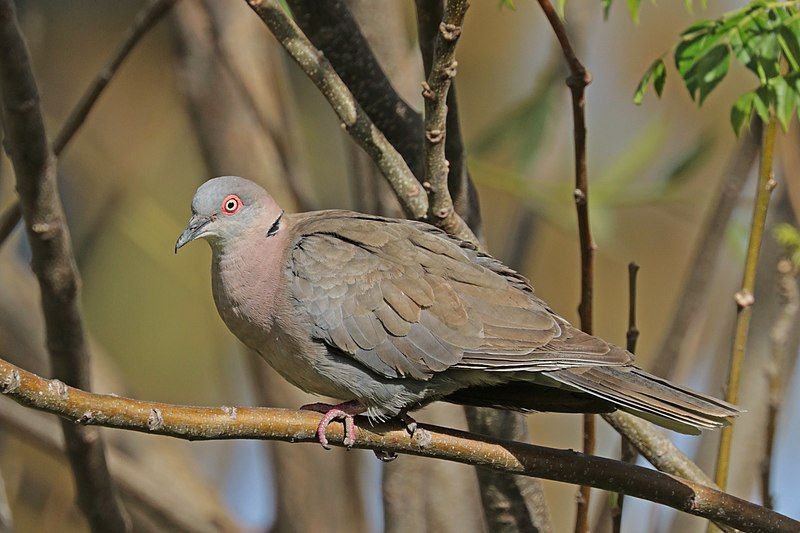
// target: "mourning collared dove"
[[389, 315]]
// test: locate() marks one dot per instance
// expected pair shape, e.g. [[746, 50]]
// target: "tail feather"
[[645, 395]]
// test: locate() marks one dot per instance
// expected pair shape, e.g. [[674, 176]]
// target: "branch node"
[[744, 299], [434, 136], [86, 418], [444, 212], [771, 183], [11, 383], [580, 196], [422, 438], [450, 32], [230, 411], [59, 387], [427, 185], [156, 420], [46, 230], [451, 70]]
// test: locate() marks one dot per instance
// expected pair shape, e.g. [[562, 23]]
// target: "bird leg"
[[343, 411]]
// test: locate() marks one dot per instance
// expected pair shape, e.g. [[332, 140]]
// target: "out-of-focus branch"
[[744, 298], [6, 519], [54, 265], [577, 81], [145, 20], [162, 504], [277, 133], [354, 119], [777, 367], [706, 251], [434, 91], [209, 423]]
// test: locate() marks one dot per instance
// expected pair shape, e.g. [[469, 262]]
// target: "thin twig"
[[627, 449], [212, 423], [54, 265], [577, 81], [353, 117], [434, 92], [145, 20], [744, 298], [777, 367]]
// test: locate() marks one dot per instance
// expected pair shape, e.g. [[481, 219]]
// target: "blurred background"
[[209, 92]]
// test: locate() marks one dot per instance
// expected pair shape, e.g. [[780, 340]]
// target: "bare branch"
[[577, 81], [145, 20], [354, 118], [745, 297], [777, 369], [212, 423], [54, 265], [434, 92], [172, 510], [706, 251]]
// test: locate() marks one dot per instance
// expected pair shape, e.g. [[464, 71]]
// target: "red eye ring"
[[231, 204]]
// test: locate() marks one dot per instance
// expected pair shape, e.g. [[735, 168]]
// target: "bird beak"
[[194, 229]]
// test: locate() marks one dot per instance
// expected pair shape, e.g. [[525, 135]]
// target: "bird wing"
[[406, 300]]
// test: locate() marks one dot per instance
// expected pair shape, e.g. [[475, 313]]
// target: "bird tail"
[[647, 396]]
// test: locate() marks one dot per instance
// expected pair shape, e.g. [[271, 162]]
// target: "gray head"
[[225, 208]]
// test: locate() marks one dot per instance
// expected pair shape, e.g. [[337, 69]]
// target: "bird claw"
[[410, 423], [345, 412], [384, 456]]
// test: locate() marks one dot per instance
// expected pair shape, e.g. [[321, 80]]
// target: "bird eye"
[[231, 204]]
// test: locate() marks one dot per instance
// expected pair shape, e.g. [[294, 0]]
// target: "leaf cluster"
[[764, 37], [788, 236]]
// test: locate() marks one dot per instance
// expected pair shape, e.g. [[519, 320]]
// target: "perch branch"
[[54, 265], [354, 119], [577, 81], [434, 92], [744, 298], [210, 423], [145, 20]]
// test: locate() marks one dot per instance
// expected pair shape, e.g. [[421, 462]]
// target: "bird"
[[388, 315]]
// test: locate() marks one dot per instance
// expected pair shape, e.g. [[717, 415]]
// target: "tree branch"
[[462, 189], [577, 81], [434, 91], [212, 423], [744, 298], [354, 119], [54, 265], [777, 369], [172, 510], [706, 251], [145, 20], [627, 449], [6, 519]]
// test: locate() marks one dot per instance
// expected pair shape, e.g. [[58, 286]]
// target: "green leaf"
[[705, 70], [560, 7], [655, 73], [785, 101], [633, 9], [507, 3], [790, 44], [762, 101], [741, 111]]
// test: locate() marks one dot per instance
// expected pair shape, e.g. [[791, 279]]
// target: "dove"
[[388, 315]]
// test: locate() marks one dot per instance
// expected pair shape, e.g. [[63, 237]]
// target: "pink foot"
[[343, 411]]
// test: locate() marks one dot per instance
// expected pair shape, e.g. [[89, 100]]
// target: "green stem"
[[744, 298]]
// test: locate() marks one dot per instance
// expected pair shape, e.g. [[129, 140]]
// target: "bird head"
[[226, 208]]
